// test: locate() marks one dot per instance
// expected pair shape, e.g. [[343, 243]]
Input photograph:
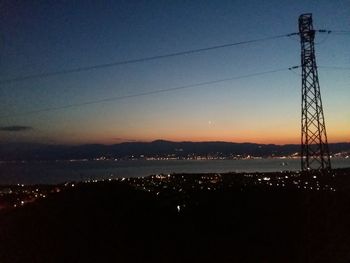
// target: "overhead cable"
[[137, 60], [146, 93]]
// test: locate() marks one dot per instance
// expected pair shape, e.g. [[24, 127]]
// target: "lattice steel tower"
[[314, 145]]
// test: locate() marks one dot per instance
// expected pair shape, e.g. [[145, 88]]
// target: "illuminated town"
[[15, 196]]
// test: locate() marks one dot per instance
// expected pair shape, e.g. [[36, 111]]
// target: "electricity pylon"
[[314, 145]]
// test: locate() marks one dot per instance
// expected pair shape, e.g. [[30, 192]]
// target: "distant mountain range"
[[30, 151]]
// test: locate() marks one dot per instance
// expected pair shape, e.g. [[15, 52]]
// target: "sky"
[[44, 36]]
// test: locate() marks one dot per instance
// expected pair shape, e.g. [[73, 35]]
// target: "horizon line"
[[157, 140]]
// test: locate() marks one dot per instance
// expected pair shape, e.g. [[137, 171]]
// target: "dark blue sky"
[[44, 36]]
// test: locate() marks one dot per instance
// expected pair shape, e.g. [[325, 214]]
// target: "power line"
[[137, 60], [325, 67], [334, 67], [340, 31], [332, 31], [322, 67], [147, 93], [292, 70], [145, 59]]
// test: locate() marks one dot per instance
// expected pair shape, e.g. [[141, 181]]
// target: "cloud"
[[15, 128]]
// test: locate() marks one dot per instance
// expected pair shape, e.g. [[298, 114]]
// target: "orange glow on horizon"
[[278, 140], [266, 135]]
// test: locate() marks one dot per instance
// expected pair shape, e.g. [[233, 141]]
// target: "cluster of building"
[[214, 182], [181, 184], [20, 194], [209, 156]]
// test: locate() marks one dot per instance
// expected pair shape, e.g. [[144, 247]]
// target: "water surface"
[[62, 171]]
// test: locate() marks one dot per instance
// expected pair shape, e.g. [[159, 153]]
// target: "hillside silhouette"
[[32, 151], [115, 222]]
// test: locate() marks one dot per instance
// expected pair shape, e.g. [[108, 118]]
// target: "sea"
[[68, 171]]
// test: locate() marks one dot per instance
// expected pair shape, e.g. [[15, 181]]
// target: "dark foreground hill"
[[114, 222]]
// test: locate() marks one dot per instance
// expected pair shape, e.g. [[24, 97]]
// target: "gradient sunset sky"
[[45, 36]]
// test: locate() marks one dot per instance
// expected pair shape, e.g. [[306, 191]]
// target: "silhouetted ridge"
[[27, 151]]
